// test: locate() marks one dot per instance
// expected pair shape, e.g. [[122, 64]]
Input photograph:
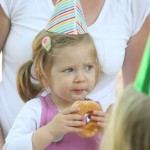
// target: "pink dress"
[[70, 141]]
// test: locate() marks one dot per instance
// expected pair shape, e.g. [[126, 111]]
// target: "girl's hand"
[[102, 118], [65, 121]]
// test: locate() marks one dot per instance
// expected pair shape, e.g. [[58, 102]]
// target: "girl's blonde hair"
[[30, 85], [129, 127]]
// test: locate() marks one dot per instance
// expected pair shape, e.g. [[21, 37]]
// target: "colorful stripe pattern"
[[67, 18]]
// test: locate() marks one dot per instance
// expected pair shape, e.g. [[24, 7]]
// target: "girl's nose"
[[79, 77]]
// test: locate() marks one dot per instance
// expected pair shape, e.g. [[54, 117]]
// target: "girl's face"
[[73, 73]]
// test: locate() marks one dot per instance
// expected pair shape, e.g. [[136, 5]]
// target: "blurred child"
[[129, 127]]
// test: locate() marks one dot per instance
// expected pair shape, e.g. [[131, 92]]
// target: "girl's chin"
[[78, 98]]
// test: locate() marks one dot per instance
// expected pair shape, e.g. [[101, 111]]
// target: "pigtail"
[[26, 88]]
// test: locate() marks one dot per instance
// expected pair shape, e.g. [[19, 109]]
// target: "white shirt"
[[117, 22]]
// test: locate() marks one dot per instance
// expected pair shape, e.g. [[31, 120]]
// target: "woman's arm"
[[134, 53], [1, 139], [4, 28]]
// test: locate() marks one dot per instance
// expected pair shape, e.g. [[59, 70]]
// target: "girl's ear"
[[41, 78]]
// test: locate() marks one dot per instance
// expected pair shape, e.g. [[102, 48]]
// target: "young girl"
[[69, 66]]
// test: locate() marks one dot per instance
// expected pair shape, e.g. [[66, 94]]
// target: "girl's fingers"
[[75, 123], [103, 125], [74, 117], [100, 119], [75, 129], [70, 114], [99, 113], [70, 110]]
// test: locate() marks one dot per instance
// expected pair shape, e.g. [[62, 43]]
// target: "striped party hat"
[[142, 82], [67, 18]]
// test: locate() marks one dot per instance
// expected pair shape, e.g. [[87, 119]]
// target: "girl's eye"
[[87, 68], [68, 70]]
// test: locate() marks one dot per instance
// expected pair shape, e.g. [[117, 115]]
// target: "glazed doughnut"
[[86, 108]]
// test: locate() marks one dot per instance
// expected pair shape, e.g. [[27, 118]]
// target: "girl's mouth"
[[78, 91]]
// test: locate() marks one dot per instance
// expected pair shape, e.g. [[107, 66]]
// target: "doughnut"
[[91, 128]]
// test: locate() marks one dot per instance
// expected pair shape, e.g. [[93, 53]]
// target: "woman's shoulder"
[[130, 4], [133, 12], [139, 10], [17, 7]]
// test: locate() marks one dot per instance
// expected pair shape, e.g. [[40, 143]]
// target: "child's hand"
[[65, 122], [101, 117]]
